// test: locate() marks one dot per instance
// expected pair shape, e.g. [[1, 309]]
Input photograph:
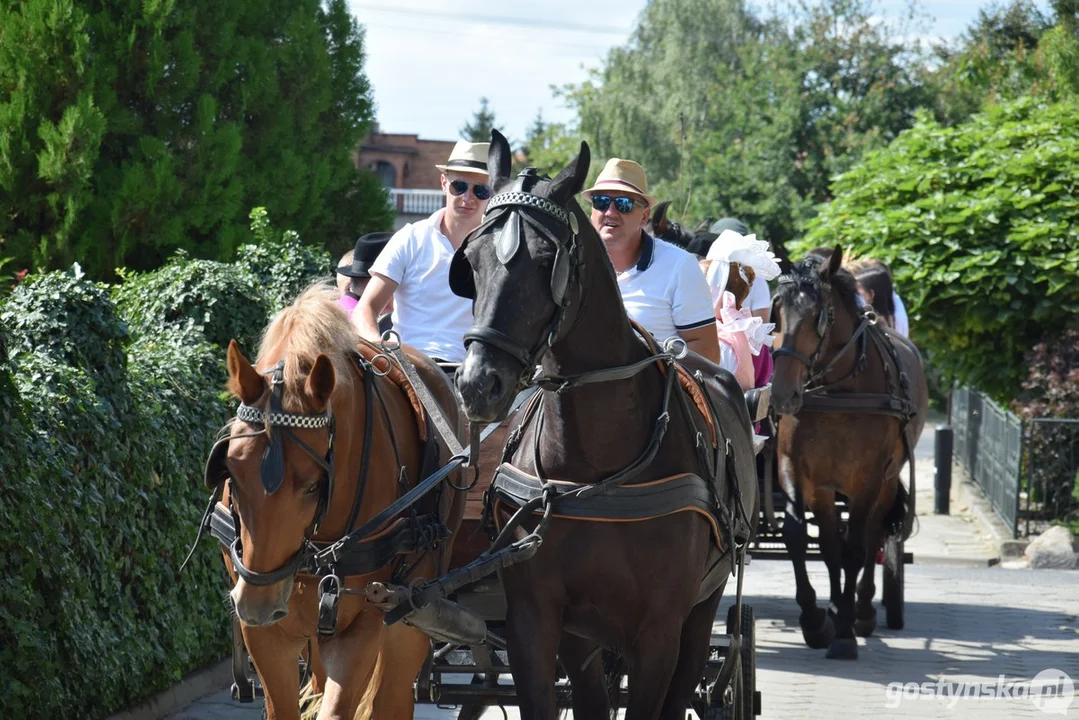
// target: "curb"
[[176, 698]]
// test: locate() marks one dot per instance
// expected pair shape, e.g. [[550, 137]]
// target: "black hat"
[[363, 257], [729, 223], [700, 243]]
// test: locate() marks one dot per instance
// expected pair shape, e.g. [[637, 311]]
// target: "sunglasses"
[[460, 187], [621, 204]]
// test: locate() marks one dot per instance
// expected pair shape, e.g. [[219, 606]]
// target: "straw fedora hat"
[[622, 176], [467, 157]]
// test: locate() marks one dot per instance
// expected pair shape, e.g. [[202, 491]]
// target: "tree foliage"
[[735, 113], [980, 226], [482, 123], [111, 397], [135, 128]]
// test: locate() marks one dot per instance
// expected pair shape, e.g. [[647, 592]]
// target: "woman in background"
[[875, 286]]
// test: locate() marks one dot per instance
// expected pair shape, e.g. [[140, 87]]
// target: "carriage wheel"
[[892, 593], [747, 698]]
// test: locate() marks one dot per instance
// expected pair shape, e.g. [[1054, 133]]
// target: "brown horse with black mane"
[[326, 439], [610, 411], [852, 398]]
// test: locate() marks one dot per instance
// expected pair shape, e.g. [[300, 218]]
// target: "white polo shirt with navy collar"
[[665, 291], [426, 313]]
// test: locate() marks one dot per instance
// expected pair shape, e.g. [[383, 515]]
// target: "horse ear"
[[244, 380], [659, 218], [499, 160], [320, 383], [570, 181], [836, 261]]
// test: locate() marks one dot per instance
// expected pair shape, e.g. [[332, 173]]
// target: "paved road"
[[962, 623]]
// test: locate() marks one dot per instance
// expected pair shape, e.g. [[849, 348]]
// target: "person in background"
[[662, 287], [760, 295], [876, 288], [413, 270], [354, 270], [732, 262]]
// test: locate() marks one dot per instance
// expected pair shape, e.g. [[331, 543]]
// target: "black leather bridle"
[[825, 321], [514, 209], [278, 425]]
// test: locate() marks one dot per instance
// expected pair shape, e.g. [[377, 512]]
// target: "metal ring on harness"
[[374, 364], [674, 341], [391, 340]]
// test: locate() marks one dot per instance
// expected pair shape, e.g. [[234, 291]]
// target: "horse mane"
[[805, 281], [313, 325]]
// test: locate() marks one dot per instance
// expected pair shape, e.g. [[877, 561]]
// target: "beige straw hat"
[[622, 176], [467, 157]]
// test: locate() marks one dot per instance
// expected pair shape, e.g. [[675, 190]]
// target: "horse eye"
[[313, 487]]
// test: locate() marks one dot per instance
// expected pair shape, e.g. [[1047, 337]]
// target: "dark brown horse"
[[319, 487], [852, 400], [546, 291]]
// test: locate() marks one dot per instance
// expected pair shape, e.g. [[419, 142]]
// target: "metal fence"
[[1050, 473], [1028, 469], [989, 446], [416, 202]]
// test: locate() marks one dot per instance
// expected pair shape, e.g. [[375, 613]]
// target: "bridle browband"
[[518, 207]]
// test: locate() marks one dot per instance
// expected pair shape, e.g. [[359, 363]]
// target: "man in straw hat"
[[662, 286], [413, 269]]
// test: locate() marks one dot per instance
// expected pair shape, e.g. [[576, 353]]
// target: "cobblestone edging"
[[196, 685]]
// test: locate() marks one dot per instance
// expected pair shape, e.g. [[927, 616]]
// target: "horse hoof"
[[817, 633], [843, 649], [864, 627]]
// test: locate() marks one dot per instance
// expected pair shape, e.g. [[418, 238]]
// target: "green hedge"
[[110, 409], [980, 225]]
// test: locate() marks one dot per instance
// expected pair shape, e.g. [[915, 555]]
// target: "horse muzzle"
[[260, 606], [487, 382], [788, 403]]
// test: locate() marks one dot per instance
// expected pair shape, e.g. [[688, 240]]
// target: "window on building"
[[386, 172]]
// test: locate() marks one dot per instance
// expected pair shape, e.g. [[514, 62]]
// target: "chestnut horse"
[[319, 488], [545, 292], [852, 399]]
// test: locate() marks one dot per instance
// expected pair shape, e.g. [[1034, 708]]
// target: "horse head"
[[662, 227], [521, 267], [278, 461], [813, 309]]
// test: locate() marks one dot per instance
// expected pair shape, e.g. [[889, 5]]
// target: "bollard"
[[942, 473]]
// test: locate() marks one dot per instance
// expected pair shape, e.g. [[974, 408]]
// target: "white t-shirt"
[[426, 313], [760, 295], [902, 324], [666, 291]]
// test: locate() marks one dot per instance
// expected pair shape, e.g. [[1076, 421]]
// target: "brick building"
[[406, 164]]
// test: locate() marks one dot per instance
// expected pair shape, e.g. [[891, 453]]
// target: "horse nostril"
[[494, 386], [278, 615]]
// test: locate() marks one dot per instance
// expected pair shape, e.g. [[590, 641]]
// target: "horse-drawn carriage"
[[602, 590]]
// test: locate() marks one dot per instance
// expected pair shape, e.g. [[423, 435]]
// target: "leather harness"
[[896, 402]]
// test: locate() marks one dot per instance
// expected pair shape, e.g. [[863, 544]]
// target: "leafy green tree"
[[135, 128], [735, 113], [980, 226], [483, 122]]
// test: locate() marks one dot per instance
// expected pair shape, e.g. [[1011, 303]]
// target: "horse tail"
[[310, 701], [893, 521], [366, 709]]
